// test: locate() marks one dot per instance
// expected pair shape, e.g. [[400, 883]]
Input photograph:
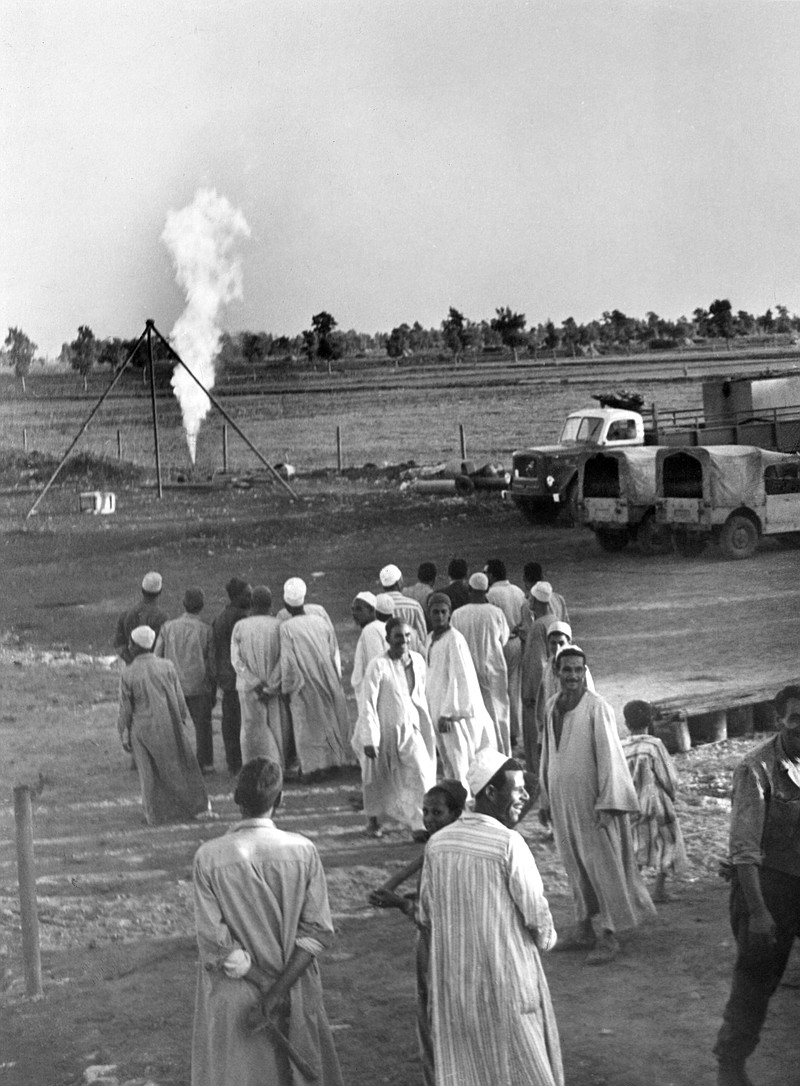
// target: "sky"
[[393, 159]]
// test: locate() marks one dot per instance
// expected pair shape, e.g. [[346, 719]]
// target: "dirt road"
[[115, 896]]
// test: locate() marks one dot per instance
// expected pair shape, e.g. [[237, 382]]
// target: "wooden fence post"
[[225, 447], [463, 440], [339, 449], [24, 439], [119, 444], [29, 917]]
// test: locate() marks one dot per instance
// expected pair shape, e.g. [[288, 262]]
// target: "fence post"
[[463, 440], [225, 447], [339, 449], [119, 444], [29, 918], [24, 439]]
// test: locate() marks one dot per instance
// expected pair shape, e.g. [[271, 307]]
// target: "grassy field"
[[300, 428]]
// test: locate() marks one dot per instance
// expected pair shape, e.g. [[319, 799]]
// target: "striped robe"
[[657, 836], [482, 899]]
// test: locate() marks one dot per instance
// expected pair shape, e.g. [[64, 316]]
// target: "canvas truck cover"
[[636, 467], [733, 475]]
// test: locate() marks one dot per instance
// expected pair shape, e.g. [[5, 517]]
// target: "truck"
[[762, 411], [617, 497], [729, 494]]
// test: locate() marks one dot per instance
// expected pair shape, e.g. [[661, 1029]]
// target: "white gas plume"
[[202, 240]]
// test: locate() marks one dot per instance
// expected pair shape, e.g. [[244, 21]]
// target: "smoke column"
[[201, 239]]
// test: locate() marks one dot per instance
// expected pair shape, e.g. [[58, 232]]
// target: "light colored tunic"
[[371, 643], [186, 642], [585, 774], [486, 632], [395, 721], [318, 609], [260, 890], [454, 693], [657, 836], [482, 898], [549, 686], [153, 709], [410, 611], [256, 659], [512, 602], [310, 679]]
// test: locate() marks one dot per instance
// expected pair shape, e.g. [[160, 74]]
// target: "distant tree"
[[721, 318], [280, 346], [417, 337], [701, 321], [19, 352], [254, 347], [767, 322], [454, 332], [327, 345], [552, 338], [399, 341], [114, 352], [784, 322], [570, 334], [744, 323], [65, 355], [309, 344], [83, 353], [511, 329]]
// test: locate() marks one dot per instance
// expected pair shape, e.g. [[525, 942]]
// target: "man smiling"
[[587, 793], [483, 901]]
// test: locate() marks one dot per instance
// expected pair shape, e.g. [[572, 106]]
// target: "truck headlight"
[[550, 480]]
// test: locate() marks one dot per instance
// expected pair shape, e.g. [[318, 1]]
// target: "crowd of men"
[[480, 683]]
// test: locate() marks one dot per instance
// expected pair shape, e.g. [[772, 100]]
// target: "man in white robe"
[[587, 793], [371, 641], [486, 632], [310, 679], [559, 634], [482, 900], [393, 737], [410, 610], [256, 659], [460, 720], [262, 917], [512, 601], [153, 724]]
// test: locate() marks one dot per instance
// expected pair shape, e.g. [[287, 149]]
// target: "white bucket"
[[100, 502]]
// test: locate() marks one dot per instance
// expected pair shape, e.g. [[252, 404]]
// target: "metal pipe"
[[26, 877], [83, 428], [226, 416], [149, 326]]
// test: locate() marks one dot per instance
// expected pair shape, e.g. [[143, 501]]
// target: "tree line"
[[456, 338]]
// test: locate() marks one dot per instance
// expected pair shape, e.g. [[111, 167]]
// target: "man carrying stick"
[[262, 916]]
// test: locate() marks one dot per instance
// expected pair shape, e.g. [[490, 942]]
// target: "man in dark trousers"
[[765, 887], [147, 612], [239, 595]]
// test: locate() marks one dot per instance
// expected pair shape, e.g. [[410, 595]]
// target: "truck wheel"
[[570, 503], [739, 537], [612, 540], [652, 538], [688, 544]]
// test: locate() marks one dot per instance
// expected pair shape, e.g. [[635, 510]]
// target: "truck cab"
[[544, 479]]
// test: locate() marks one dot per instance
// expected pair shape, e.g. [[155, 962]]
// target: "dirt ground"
[[114, 895]]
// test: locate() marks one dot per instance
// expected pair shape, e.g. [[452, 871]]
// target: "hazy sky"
[[395, 158]]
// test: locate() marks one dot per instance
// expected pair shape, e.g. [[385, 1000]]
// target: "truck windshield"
[[583, 430]]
